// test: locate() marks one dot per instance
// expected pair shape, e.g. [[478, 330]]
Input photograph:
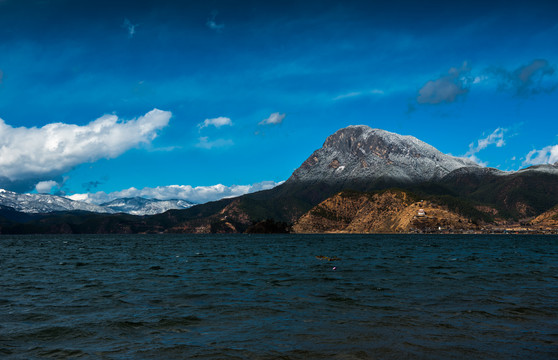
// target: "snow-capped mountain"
[[44, 203], [362, 153], [142, 206]]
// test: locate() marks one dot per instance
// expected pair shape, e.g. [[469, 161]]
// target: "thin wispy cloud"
[[447, 88], [205, 143], [495, 138], [273, 119], [216, 122], [354, 94], [212, 24], [197, 194], [131, 28]]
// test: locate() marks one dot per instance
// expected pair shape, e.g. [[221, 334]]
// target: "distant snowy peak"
[[142, 206], [44, 203], [362, 153]]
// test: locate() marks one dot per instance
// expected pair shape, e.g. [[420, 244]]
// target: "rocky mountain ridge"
[[360, 152]]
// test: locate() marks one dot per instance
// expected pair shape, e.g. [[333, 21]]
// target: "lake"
[[279, 297]]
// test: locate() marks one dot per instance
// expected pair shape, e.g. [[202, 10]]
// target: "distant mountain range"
[[142, 206], [340, 187], [45, 203]]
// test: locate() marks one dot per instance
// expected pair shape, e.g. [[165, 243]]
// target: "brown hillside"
[[390, 211], [546, 220]]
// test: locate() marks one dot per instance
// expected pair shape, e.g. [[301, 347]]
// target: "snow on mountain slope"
[[362, 153], [142, 206], [44, 203]]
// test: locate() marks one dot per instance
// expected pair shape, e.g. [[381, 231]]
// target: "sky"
[[201, 100]]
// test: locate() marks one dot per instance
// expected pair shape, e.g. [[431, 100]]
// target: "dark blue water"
[[270, 297]]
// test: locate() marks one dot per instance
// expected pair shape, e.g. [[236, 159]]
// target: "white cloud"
[[49, 151], [45, 186], [477, 160], [204, 143], [546, 155], [217, 122], [359, 93], [446, 88], [130, 27], [273, 119], [347, 95], [496, 138], [198, 194]]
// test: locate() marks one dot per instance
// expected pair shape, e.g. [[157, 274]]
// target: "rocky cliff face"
[[358, 153], [390, 211]]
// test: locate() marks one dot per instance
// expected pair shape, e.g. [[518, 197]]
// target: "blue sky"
[[196, 94]]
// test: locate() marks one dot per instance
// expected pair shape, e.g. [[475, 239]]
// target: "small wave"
[[178, 321], [525, 311], [126, 324], [60, 353], [55, 333]]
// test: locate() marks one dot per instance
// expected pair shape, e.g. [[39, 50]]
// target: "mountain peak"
[[361, 153]]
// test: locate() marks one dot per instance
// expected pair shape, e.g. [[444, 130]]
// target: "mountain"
[[360, 153], [363, 159], [377, 165], [142, 206], [507, 195], [44, 203]]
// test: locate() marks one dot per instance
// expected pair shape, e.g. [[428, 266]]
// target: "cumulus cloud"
[[273, 119], [198, 194], [217, 122], [531, 79], [39, 154], [446, 88], [495, 138], [131, 28], [46, 186], [205, 143], [212, 24], [546, 155]]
